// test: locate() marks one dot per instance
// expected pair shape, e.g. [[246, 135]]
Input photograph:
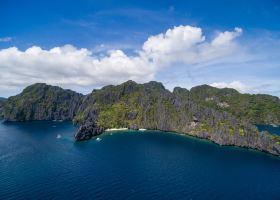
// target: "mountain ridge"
[[204, 111]]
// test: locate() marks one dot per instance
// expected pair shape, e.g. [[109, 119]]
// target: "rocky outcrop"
[[2, 103], [133, 127], [87, 131]]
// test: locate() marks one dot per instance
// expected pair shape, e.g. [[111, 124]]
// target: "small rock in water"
[[87, 131]]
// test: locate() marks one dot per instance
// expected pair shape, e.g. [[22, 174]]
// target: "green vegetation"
[[231, 130], [258, 109], [42, 102], [276, 139], [204, 111], [241, 132], [113, 106], [204, 127], [114, 116]]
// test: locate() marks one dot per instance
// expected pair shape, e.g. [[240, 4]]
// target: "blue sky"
[[251, 62]]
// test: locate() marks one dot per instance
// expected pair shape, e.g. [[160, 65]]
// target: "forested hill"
[[42, 102], [45, 102], [257, 108], [221, 115]]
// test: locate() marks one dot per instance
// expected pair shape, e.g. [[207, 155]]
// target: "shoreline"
[[172, 132], [198, 138], [123, 129], [115, 129]]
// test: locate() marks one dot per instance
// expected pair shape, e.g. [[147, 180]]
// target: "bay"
[[41, 160]]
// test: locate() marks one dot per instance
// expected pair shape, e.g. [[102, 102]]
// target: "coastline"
[[115, 129], [107, 131], [123, 129], [225, 145], [195, 137]]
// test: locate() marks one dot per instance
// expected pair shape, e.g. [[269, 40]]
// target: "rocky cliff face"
[[258, 109], [87, 131], [150, 106], [42, 102], [2, 102]]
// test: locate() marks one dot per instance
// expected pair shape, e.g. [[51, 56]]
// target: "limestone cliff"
[[204, 111], [42, 102]]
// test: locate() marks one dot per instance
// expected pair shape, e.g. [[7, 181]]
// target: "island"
[[223, 116]]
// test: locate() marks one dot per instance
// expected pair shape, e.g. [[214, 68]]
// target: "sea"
[[41, 160]]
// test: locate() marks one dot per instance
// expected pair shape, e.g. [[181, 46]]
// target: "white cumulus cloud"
[[188, 45], [68, 65], [241, 87], [71, 67]]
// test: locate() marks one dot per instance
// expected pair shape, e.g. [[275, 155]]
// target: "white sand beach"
[[116, 129]]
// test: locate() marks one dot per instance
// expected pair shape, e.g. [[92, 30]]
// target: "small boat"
[[58, 136], [98, 139]]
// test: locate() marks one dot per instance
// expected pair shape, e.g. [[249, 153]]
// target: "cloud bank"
[[70, 67]]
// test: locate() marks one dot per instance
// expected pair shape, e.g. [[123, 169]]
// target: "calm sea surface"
[[40, 160]]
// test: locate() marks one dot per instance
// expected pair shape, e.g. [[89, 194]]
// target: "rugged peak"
[[129, 82], [40, 90], [42, 102], [181, 93], [35, 86], [205, 90], [106, 87], [128, 86], [154, 85], [179, 90], [203, 87]]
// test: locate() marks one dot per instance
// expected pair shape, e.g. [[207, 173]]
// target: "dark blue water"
[[35, 164], [269, 128]]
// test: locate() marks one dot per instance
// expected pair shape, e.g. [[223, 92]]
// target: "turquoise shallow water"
[[40, 160]]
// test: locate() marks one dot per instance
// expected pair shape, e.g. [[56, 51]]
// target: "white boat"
[[98, 139]]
